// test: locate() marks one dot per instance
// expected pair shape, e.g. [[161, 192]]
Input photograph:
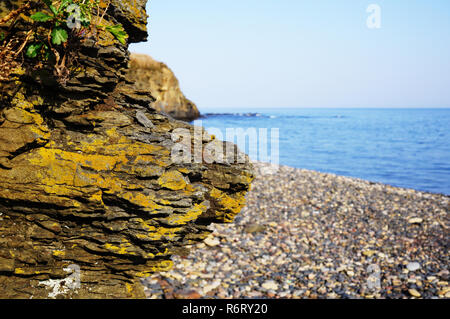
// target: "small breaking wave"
[[271, 116]]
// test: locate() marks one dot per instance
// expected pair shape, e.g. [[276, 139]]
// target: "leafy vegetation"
[[59, 27], [68, 17]]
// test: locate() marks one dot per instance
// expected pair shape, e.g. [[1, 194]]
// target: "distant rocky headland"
[[157, 78]]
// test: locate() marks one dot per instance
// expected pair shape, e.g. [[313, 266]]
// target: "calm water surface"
[[401, 147]]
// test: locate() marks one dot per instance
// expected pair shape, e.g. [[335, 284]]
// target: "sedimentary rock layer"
[[91, 198]]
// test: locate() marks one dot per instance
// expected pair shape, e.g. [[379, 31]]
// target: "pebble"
[[369, 253], [415, 220], [414, 293], [413, 266], [270, 285], [254, 228], [212, 242], [216, 283], [186, 294]]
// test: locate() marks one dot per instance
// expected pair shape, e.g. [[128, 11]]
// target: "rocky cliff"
[[94, 193], [157, 78]]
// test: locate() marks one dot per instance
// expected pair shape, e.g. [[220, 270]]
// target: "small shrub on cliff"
[[57, 31]]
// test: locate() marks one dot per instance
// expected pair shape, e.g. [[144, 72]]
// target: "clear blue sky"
[[294, 53]]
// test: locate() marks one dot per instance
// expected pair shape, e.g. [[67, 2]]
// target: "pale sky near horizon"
[[294, 53]]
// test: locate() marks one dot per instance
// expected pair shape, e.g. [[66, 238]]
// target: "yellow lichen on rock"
[[173, 180], [190, 215], [121, 249], [227, 207]]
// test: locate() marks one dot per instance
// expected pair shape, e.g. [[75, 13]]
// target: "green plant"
[[60, 28], [70, 16], [55, 38]]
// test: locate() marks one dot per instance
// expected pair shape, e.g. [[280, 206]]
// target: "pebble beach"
[[305, 234]]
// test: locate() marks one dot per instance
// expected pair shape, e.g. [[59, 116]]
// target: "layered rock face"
[[156, 77], [91, 198]]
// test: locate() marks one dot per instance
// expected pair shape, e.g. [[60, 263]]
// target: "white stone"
[[270, 285], [415, 220], [413, 266], [212, 242]]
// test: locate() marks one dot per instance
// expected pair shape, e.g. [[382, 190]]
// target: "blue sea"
[[401, 147]]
